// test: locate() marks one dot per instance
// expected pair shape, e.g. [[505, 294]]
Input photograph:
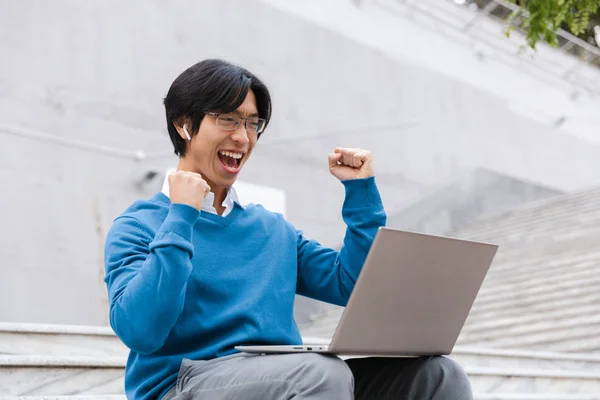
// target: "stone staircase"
[[49, 362], [40, 375], [73, 397], [59, 340], [37, 361], [543, 289]]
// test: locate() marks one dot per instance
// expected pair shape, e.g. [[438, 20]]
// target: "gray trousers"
[[302, 376]]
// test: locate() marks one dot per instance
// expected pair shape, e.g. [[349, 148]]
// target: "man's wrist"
[[361, 193], [181, 220]]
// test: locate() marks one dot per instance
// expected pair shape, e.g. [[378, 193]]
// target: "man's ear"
[[183, 127]]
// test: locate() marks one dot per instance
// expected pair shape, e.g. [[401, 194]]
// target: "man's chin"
[[226, 182]]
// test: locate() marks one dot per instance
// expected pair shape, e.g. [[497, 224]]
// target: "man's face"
[[219, 155]]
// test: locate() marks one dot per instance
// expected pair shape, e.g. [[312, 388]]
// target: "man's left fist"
[[347, 164]]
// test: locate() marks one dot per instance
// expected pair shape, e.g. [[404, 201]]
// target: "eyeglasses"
[[230, 122]]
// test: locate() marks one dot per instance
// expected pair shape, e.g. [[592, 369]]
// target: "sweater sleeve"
[[146, 276], [328, 275]]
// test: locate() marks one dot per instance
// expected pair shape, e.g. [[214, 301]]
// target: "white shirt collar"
[[209, 200]]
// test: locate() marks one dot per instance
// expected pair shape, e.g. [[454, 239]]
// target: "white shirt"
[[209, 200]]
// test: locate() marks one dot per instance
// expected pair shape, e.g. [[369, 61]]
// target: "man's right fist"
[[188, 188]]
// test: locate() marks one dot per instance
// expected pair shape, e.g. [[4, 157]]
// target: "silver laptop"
[[411, 299]]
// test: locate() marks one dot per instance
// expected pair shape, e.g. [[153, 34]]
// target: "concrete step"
[[508, 359], [499, 381], [526, 396], [59, 340], [70, 375], [501, 323], [56, 376], [77, 397], [484, 396], [50, 360], [469, 356], [93, 341]]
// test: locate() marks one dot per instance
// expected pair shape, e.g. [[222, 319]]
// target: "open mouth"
[[231, 160]]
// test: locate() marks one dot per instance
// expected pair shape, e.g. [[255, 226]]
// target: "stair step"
[[483, 396], [485, 357], [59, 340], [529, 396], [46, 375], [531, 381], [51, 375], [97, 368], [92, 341], [96, 397], [471, 356]]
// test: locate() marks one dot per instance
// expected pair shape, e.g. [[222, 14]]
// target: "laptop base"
[[317, 348]]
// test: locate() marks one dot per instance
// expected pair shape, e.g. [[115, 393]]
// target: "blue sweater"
[[190, 284]]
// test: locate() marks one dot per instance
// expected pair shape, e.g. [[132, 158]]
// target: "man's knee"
[[441, 365], [447, 377], [326, 374]]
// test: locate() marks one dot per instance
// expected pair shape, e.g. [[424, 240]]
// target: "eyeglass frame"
[[240, 119]]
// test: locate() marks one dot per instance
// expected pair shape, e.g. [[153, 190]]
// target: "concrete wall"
[[480, 192], [81, 85]]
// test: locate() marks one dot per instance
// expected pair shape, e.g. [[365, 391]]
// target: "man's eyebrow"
[[244, 114]]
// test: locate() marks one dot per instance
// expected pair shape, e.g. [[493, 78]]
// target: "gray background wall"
[[79, 73]]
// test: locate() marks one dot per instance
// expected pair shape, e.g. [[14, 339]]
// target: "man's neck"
[[220, 195]]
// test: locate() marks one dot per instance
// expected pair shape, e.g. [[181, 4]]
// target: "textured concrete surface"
[[47, 371], [80, 375], [75, 397], [449, 207], [49, 341], [542, 291]]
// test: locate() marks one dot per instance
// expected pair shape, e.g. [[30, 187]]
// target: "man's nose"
[[240, 135]]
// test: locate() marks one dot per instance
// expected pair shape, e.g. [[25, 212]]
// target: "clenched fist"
[[188, 188], [347, 164]]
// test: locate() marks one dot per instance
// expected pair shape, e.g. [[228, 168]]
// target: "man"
[[192, 273]]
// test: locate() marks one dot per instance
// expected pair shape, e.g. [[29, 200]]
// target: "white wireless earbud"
[[187, 134]]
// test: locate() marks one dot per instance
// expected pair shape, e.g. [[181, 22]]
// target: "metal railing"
[[568, 43], [577, 62]]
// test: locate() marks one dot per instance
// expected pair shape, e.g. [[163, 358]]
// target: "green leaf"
[[543, 17]]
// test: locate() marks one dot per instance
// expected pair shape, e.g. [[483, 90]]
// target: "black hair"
[[211, 86]]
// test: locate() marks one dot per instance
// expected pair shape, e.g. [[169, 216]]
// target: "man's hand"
[[347, 164], [188, 188]]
